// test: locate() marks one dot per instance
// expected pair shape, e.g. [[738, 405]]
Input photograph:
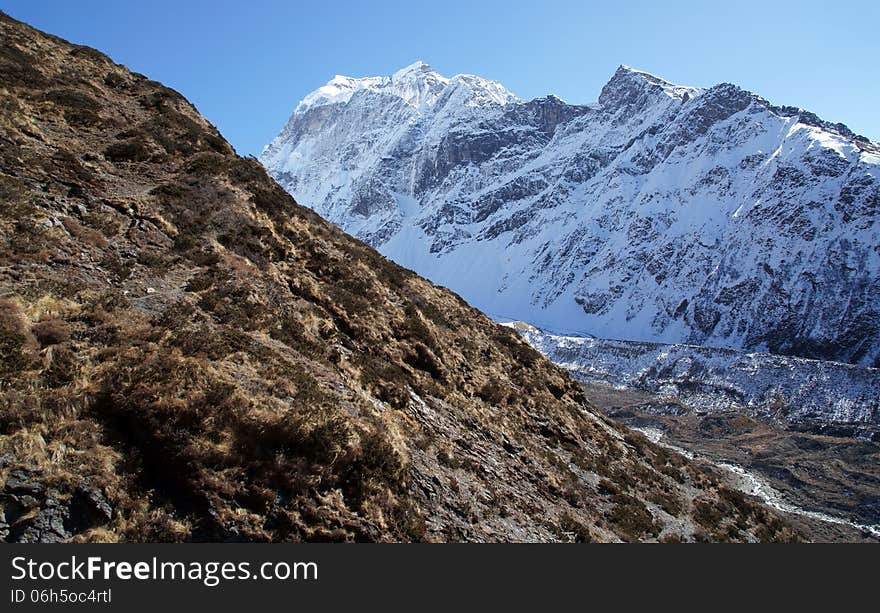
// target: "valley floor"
[[828, 486]]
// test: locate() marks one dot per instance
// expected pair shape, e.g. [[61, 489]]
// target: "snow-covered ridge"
[[705, 379], [416, 84], [660, 213]]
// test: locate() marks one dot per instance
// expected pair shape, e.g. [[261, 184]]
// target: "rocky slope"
[[187, 354], [842, 398], [660, 213]]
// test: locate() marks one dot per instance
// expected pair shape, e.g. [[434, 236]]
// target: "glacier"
[[692, 379]]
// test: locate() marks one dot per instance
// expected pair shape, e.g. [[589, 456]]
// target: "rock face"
[[187, 354], [832, 397], [33, 513], [660, 213]]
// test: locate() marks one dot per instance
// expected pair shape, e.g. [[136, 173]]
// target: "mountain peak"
[[624, 71], [416, 84], [416, 69], [628, 84]]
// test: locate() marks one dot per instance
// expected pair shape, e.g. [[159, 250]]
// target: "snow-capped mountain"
[[659, 213]]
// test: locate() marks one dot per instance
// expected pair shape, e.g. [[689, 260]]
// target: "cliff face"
[[660, 213], [187, 354]]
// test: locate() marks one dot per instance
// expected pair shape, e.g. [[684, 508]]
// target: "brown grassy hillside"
[[187, 354]]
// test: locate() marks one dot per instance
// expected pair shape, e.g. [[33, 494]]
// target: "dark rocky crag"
[[187, 354]]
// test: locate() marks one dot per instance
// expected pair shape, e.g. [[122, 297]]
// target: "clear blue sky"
[[245, 64]]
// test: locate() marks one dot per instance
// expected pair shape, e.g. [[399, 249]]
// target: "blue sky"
[[245, 64]]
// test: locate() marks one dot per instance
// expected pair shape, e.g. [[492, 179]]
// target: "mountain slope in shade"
[[187, 354], [659, 213]]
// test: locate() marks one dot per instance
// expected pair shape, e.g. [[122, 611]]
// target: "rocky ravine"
[[661, 213], [187, 354]]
